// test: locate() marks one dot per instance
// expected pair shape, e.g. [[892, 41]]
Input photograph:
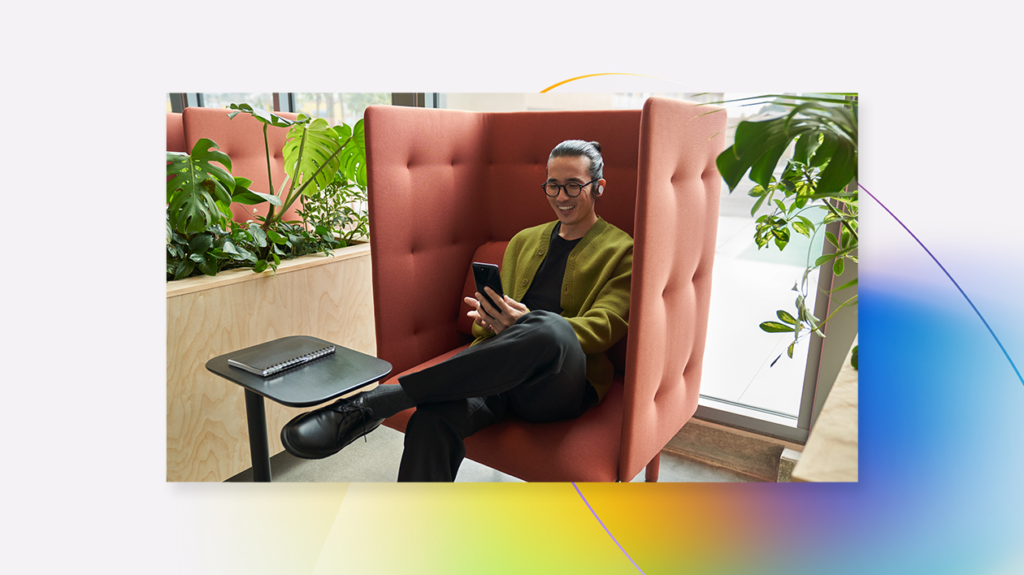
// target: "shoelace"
[[349, 407]]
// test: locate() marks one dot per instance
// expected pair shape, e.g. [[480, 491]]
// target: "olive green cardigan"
[[595, 289]]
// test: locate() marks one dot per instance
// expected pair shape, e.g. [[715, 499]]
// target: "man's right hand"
[[496, 320]]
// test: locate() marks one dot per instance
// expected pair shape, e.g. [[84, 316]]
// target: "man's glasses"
[[572, 190]]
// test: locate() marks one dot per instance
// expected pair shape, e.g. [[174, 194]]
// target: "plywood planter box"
[[329, 297]]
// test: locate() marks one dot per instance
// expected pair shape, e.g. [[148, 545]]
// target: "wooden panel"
[[832, 447], [722, 447], [230, 277], [325, 297]]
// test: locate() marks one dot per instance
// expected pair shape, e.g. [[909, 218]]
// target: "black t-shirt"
[[546, 290]]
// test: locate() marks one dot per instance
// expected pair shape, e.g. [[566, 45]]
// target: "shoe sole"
[[299, 453]]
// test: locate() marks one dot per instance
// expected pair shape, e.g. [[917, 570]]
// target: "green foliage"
[[313, 154], [821, 175], [264, 117], [827, 138], [327, 164], [340, 208], [247, 245], [310, 153], [354, 158], [199, 193]]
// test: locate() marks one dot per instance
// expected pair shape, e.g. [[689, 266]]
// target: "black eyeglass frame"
[[565, 187]]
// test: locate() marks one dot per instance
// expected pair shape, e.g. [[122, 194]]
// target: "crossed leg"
[[535, 368]]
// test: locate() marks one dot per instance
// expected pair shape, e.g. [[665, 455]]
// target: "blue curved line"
[[999, 343], [605, 528]]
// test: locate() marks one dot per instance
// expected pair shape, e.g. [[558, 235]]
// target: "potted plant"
[[820, 175]]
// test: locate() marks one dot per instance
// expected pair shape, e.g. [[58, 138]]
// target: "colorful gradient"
[[940, 460]]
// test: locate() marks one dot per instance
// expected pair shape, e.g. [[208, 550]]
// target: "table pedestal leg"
[[256, 417]]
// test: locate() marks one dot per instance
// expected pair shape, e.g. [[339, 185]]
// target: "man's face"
[[574, 213]]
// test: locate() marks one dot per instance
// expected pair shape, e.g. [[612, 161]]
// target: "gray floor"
[[376, 460]]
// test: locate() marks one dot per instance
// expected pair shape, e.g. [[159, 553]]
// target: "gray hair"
[[574, 148]]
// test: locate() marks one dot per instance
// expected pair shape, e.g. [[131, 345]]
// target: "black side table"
[[313, 383]]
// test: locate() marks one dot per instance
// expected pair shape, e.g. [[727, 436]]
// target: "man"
[[539, 351]]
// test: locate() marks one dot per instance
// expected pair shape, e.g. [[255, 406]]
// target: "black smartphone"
[[488, 275]]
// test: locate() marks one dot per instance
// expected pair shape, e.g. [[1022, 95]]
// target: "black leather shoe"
[[326, 431]]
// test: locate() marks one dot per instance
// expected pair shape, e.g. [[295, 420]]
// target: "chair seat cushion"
[[582, 449]]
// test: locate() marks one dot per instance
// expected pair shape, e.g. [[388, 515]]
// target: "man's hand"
[[496, 320]]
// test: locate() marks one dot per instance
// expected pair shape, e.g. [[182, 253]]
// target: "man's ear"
[[600, 187]]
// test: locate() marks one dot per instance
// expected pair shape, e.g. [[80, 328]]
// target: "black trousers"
[[535, 368]]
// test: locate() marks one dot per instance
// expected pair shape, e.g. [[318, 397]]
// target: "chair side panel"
[[674, 247], [175, 133]]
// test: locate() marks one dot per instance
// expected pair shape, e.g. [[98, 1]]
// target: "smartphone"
[[488, 275]]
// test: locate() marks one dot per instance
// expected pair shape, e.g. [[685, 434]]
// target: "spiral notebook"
[[274, 357]]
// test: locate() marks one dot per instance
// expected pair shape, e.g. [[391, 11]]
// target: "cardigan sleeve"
[[605, 322], [480, 333]]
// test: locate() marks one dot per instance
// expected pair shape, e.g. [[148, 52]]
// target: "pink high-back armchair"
[[449, 187]]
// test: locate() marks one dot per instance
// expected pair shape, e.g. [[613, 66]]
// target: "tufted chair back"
[[241, 138], [444, 183]]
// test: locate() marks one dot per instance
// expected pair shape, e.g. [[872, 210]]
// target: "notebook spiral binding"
[[279, 367]]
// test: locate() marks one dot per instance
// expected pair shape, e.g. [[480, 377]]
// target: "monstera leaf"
[[198, 192], [353, 157], [826, 136], [311, 154], [359, 139]]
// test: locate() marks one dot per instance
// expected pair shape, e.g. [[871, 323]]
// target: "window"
[[264, 100], [338, 108], [335, 107]]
